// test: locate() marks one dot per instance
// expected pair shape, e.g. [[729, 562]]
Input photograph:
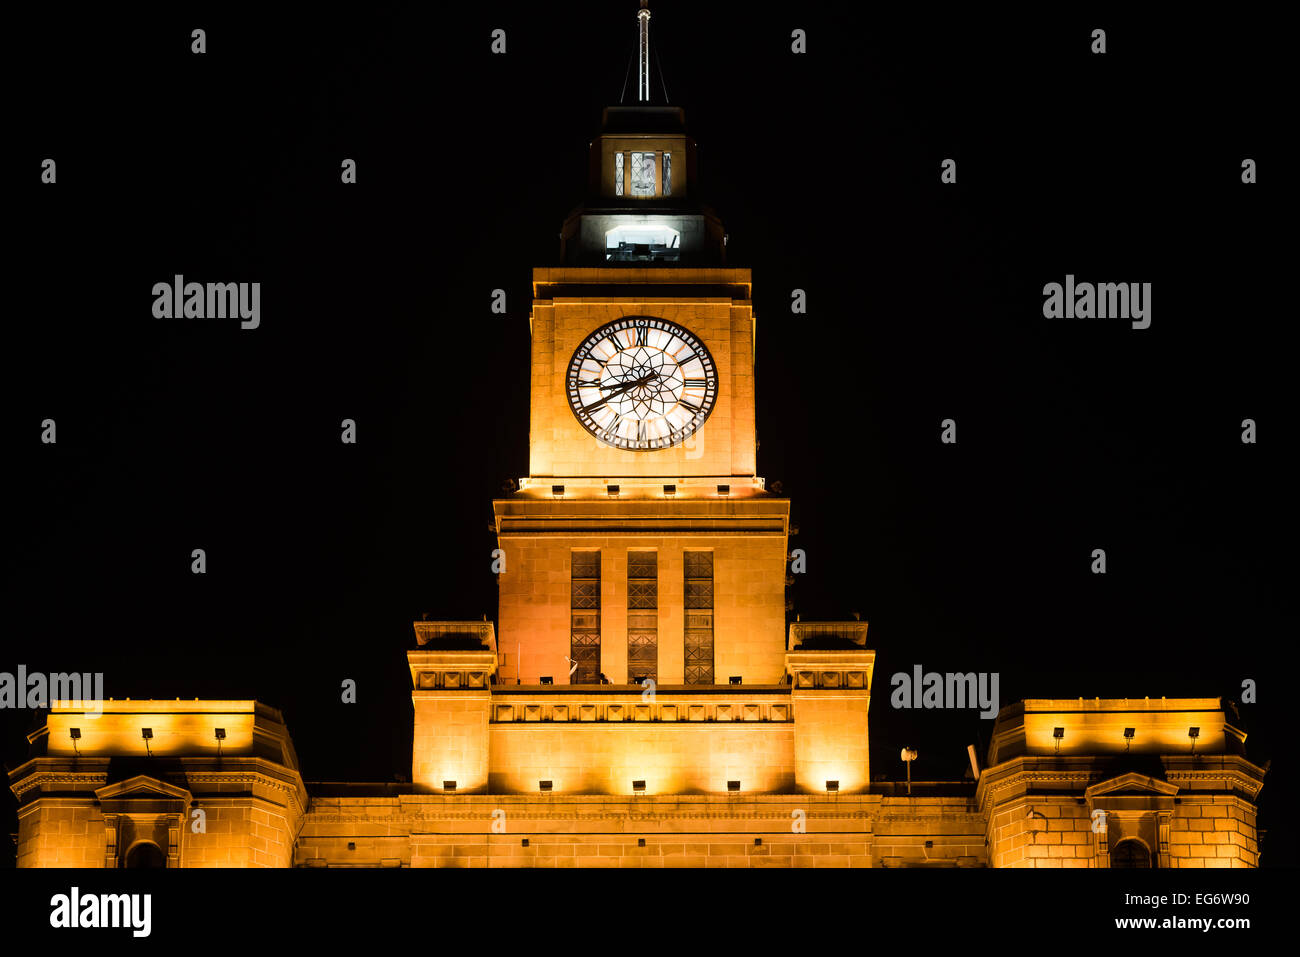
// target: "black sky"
[[924, 303]]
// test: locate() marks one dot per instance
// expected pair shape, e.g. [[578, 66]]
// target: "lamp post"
[[908, 756]]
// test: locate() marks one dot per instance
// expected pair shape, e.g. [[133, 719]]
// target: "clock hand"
[[624, 386], [620, 389]]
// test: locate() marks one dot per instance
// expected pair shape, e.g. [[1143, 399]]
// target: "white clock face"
[[642, 384]]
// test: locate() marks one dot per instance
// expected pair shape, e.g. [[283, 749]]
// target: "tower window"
[[668, 174], [618, 174], [698, 598], [643, 174], [642, 616], [584, 641]]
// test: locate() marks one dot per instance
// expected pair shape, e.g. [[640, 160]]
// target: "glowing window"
[[643, 174], [668, 174], [645, 234], [618, 174]]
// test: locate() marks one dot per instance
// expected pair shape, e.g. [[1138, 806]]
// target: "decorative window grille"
[[643, 174], [698, 595], [642, 616], [618, 174], [668, 174], [584, 644]]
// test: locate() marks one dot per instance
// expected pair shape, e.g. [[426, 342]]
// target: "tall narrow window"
[[699, 618], [643, 174], [668, 174], [642, 616], [584, 644], [618, 174]]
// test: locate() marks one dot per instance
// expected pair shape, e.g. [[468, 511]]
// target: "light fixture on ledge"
[[449, 785], [638, 787], [724, 490], [733, 785], [545, 786], [547, 679], [557, 491], [670, 491], [612, 491], [832, 786]]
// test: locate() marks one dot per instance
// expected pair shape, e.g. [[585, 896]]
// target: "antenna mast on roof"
[[643, 52]]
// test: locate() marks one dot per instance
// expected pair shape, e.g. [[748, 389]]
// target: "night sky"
[[925, 302]]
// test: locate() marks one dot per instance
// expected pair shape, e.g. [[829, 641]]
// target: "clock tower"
[[642, 544]]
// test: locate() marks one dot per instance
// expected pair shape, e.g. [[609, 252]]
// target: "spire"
[[643, 53]]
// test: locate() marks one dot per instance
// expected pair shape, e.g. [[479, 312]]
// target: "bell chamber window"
[[584, 641], [698, 595], [645, 173], [642, 617]]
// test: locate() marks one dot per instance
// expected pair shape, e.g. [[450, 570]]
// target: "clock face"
[[642, 384]]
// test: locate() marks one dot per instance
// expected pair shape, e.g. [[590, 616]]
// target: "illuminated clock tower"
[[640, 701], [642, 544]]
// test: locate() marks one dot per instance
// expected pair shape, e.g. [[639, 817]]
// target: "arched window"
[[1130, 853], [145, 854]]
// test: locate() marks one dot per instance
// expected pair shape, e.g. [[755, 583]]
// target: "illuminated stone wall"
[[671, 757], [1214, 832], [678, 831], [749, 586], [67, 836], [451, 740], [1049, 832]]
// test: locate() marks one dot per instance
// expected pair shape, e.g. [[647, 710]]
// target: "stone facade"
[[94, 805], [99, 799], [1124, 777]]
